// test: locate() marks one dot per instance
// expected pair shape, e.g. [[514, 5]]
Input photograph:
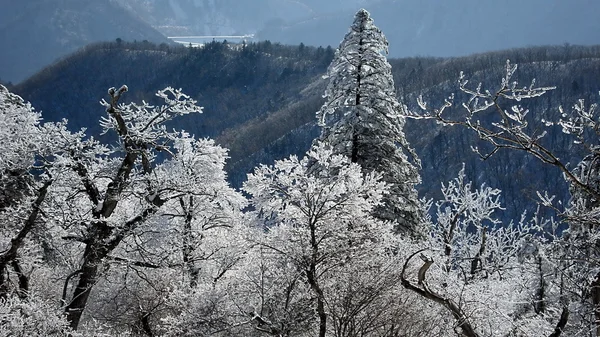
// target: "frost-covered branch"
[[422, 289], [497, 118], [141, 125]]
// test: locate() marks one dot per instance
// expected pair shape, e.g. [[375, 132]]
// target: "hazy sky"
[[414, 27]]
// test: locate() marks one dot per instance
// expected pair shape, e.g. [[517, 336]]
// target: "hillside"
[[37, 32], [233, 83], [260, 101]]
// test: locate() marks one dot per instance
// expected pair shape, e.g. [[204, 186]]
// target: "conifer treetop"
[[363, 120]]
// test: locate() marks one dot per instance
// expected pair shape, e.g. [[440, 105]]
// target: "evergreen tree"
[[362, 119]]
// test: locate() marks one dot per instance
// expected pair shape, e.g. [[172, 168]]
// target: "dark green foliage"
[[234, 83]]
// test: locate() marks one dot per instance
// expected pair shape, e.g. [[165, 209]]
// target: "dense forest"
[[273, 90], [268, 190], [235, 83]]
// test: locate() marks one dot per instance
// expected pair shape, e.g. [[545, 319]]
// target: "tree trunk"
[[422, 289], [92, 258], [102, 241], [355, 144], [595, 294], [10, 255], [146, 325], [188, 245], [311, 275], [562, 322], [23, 291]]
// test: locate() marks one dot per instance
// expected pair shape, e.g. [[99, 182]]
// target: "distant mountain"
[[230, 17], [260, 102], [34, 33], [414, 27]]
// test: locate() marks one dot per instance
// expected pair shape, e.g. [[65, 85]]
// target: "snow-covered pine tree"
[[362, 119]]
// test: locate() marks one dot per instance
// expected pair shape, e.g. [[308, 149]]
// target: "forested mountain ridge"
[[234, 83], [260, 100], [40, 31]]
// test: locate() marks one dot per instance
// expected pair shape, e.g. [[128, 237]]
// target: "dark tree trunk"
[[312, 281], [595, 294], [311, 275], [355, 145], [10, 255], [23, 279], [92, 258], [562, 322], [188, 246], [357, 102], [146, 325]]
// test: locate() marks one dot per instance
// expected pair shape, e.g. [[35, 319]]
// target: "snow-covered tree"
[[322, 217], [26, 154], [110, 203], [29, 151], [362, 120], [33, 317], [179, 255], [20, 196], [568, 261], [321, 227], [493, 278]]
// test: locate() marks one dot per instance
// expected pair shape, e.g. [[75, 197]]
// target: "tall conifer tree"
[[362, 119]]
